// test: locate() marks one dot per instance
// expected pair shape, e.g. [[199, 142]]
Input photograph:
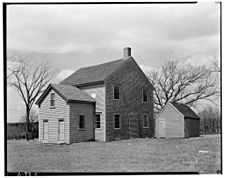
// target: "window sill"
[[98, 128], [116, 128], [145, 127], [52, 107]]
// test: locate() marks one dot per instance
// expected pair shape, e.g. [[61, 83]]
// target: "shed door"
[[61, 129], [45, 130], [162, 127]]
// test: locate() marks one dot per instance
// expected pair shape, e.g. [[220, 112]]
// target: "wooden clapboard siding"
[[99, 90], [61, 111], [191, 127], [40, 129], [174, 122], [77, 109]]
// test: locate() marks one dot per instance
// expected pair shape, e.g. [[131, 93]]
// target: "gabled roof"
[[180, 108], [185, 110], [67, 92], [93, 74]]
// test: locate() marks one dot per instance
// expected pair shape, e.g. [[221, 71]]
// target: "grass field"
[[200, 154]]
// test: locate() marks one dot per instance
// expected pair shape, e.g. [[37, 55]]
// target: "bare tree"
[[29, 80], [12, 66], [33, 116], [216, 66], [183, 83]]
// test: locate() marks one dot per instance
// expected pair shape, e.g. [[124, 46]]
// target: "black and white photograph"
[[112, 88]]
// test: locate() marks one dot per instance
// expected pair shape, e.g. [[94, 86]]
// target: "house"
[[105, 102], [177, 120]]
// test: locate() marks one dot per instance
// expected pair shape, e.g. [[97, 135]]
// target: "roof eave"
[[176, 109], [90, 83], [80, 101], [142, 73], [39, 100], [185, 116], [188, 117]]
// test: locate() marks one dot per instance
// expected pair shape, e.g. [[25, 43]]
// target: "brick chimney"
[[126, 52]]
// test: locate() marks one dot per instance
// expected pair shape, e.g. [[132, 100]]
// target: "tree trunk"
[[27, 122]]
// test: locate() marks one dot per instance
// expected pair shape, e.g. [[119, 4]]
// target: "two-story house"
[[105, 102]]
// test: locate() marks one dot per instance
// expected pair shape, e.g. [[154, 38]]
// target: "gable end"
[[124, 64], [166, 107], [142, 73], [46, 92]]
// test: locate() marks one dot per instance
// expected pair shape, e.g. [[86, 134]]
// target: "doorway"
[[133, 125], [61, 129], [45, 130], [162, 127]]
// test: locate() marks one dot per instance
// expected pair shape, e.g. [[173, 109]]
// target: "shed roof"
[[92, 74], [68, 93], [185, 110]]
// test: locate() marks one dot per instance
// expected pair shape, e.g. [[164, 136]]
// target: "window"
[[81, 122], [117, 121], [145, 96], [52, 100], [145, 121], [116, 92], [97, 121]]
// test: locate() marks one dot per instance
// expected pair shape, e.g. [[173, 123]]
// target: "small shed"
[[177, 120]]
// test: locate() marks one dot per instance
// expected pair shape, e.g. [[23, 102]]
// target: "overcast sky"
[[74, 36]]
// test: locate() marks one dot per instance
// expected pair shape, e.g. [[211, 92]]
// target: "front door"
[[162, 127], [133, 126], [61, 129], [45, 130]]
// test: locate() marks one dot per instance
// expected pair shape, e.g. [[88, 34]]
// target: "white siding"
[[61, 111], [174, 122], [99, 91]]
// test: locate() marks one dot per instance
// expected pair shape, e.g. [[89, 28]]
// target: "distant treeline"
[[210, 126], [18, 130], [210, 121]]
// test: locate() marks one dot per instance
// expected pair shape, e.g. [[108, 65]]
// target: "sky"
[[73, 36]]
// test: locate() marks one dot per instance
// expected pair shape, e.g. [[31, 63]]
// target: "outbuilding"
[[177, 120]]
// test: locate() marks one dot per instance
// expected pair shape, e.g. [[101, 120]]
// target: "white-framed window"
[[97, 121], [117, 121], [81, 122], [52, 100], [116, 92], [144, 96], [145, 121]]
